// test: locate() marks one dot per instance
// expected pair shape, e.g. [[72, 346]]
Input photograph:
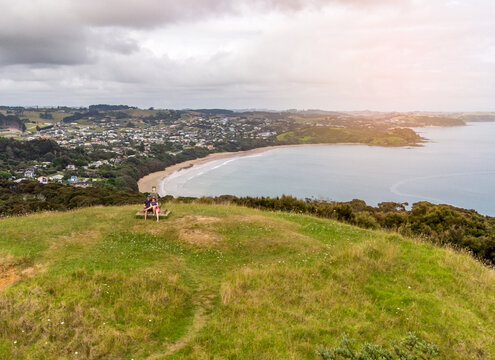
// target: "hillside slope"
[[228, 283]]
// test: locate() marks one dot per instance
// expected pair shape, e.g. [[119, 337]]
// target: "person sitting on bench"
[[156, 208], [148, 206]]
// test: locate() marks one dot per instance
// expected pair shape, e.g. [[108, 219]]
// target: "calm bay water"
[[456, 167]]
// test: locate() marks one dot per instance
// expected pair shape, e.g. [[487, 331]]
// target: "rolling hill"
[[227, 282]]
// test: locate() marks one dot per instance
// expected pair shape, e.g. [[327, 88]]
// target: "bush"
[[344, 212], [365, 220], [410, 348]]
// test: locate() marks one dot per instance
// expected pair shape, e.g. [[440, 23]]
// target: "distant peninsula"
[[368, 136]]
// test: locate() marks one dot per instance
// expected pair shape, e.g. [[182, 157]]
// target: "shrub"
[[344, 212], [410, 348], [365, 220]]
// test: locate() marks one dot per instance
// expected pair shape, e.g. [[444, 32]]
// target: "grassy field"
[[34, 119], [35, 116], [225, 282]]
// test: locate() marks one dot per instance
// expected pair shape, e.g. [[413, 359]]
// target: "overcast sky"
[[279, 54]]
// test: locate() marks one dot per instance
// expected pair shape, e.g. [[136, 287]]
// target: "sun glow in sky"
[[329, 54]]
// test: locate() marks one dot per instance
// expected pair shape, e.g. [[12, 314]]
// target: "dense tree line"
[[78, 116], [106, 107], [214, 112], [14, 153], [441, 224], [7, 121], [30, 196]]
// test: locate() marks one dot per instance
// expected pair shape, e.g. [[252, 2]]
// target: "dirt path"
[[203, 304]]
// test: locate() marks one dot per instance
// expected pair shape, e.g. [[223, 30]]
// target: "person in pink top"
[[156, 208]]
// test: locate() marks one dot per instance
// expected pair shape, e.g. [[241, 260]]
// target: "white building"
[[43, 179]]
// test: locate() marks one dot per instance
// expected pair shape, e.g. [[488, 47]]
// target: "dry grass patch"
[[7, 276], [11, 270], [195, 219], [200, 237], [89, 237], [198, 230]]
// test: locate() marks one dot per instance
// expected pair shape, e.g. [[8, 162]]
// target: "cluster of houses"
[[136, 135], [30, 174], [111, 135]]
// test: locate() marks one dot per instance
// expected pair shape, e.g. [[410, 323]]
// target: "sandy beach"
[[146, 183]]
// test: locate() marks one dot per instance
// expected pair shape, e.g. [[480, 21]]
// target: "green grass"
[[225, 282], [330, 135]]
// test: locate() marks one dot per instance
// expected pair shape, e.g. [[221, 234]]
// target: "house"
[[73, 180], [29, 173], [83, 185], [96, 163], [70, 167], [43, 179], [57, 178]]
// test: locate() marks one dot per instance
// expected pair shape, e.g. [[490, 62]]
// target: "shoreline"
[[146, 183]]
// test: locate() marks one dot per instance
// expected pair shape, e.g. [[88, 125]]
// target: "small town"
[[125, 134], [113, 134]]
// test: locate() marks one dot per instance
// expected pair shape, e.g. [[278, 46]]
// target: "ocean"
[[456, 167]]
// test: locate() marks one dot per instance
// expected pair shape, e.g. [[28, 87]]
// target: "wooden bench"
[[163, 214]]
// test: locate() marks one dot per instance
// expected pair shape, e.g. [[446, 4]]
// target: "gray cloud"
[[340, 54], [68, 31], [64, 32], [62, 46], [150, 13]]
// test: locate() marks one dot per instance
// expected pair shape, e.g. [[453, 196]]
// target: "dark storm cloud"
[[43, 47]]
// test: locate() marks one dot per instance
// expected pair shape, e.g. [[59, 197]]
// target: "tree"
[[5, 174]]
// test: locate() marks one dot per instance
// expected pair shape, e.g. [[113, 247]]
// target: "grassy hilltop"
[[226, 282]]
